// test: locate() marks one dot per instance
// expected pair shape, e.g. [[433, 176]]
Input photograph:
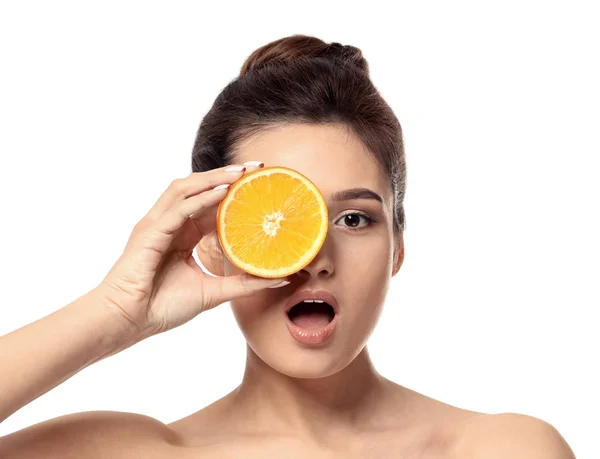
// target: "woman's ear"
[[210, 254], [398, 254]]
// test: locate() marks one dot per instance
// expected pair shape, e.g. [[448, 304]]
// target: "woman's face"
[[355, 265]]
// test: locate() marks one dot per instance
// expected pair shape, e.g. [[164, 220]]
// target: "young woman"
[[310, 106]]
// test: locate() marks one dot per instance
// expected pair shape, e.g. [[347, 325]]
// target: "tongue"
[[313, 320]]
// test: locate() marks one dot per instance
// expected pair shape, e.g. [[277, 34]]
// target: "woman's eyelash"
[[367, 217]]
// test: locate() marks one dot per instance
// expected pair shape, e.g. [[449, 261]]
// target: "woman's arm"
[[153, 287], [39, 356]]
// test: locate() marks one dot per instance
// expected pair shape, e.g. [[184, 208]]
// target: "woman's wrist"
[[118, 333]]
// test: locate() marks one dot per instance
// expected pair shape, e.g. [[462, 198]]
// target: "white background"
[[494, 307]]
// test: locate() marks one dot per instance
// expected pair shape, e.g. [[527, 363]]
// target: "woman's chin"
[[301, 363], [311, 369]]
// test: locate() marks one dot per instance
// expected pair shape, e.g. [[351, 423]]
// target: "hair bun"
[[294, 47]]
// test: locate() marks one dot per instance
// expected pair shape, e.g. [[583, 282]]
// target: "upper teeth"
[[313, 301]]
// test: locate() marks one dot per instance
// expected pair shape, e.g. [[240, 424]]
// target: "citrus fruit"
[[272, 222]]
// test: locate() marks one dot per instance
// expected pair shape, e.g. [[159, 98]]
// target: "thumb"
[[227, 288]]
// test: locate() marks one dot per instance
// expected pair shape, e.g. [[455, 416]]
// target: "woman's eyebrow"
[[355, 193]]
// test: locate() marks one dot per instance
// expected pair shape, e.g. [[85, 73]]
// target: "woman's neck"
[[343, 402]]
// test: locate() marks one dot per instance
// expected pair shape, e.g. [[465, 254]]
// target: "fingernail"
[[254, 164], [235, 169], [222, 187], [281, 284]]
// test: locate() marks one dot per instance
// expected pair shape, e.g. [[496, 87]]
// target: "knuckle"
[[140, 227], [177, 187], [176, 183], [215, 179], [140, 239], [200, 208], [244, 284], [212, 178]]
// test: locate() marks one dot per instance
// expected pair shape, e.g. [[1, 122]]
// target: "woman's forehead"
[[331, 156]]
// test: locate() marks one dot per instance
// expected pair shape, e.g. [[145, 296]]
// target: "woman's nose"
[[320, 266]]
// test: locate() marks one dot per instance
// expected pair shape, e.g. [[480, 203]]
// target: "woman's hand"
[[156, 284]]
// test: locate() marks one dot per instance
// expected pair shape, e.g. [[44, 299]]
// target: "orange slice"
[[272, 222]]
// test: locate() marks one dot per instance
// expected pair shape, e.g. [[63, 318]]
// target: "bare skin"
[[403, 423], [293, 402]]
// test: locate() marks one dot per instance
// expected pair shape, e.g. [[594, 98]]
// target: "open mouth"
[[311, 315]]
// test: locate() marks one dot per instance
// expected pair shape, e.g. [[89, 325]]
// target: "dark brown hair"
[[302, 79]]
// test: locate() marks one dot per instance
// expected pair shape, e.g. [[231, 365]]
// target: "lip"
[[312, 337]]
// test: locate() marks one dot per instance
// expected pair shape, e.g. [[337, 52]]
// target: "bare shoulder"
[[88, 435], [511, 435]]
